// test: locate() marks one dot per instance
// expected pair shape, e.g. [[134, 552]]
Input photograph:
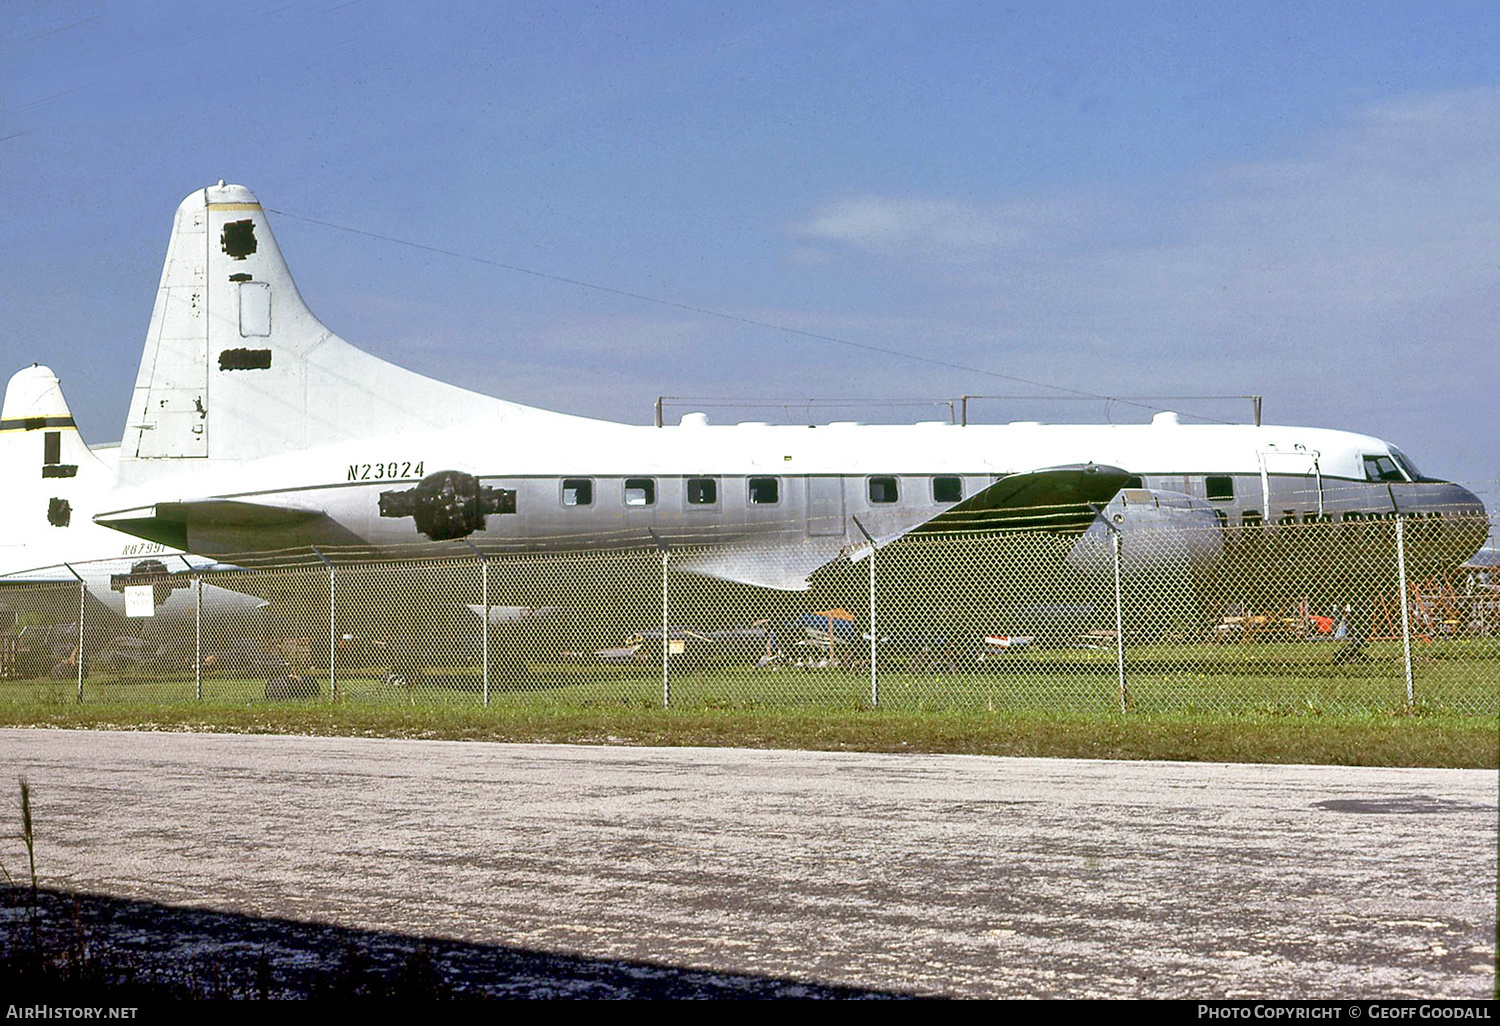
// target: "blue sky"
[[1299, 200]]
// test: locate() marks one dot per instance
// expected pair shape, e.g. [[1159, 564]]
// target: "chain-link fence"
[[1360, 615]]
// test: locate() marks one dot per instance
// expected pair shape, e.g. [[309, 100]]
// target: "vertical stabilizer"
[[236, 367], [40, 447], [49, 473]]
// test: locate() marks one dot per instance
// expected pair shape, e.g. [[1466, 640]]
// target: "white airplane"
[[254, 427], [54, 485]]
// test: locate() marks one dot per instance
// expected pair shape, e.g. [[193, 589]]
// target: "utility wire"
[[722, 315]]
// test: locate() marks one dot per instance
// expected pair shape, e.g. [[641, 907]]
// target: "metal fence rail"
[[1290, 618]]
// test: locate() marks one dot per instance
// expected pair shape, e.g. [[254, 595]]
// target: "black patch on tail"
[[245, 359], [238, 239], [52, 464]]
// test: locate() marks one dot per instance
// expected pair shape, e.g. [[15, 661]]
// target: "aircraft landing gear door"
[[825, 506], [1291, 464]]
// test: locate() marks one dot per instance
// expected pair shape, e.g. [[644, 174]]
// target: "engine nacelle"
[[448, 504], [1159, 530], [1171, 547]]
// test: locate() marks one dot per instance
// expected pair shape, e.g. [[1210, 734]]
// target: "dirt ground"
[[676, 871], [116, 947]]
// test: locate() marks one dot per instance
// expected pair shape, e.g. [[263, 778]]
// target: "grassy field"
[[1356, 740], [1452, 677], [1233, 703]]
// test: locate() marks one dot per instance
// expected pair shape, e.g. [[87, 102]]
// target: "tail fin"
[[40, 440], [236, 367], [48, 470]]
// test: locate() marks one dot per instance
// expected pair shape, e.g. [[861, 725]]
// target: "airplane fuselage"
[[254, 427], [578, 483]]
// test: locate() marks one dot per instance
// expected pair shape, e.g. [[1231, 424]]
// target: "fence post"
[[484, 654], [333, 636], [83, 594], [874, 634], [1124, 694], [666, 676], [483, 639], [874, 676], [1405, 608], [198, 637]]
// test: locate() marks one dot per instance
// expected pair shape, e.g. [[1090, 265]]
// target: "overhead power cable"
[[720, 314]]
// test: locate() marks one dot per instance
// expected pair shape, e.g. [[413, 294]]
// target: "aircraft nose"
[[1460, 502], [1442, 497], [1465, 522], [1467, 503]]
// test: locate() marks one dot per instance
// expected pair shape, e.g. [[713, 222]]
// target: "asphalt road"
[[946, 875]]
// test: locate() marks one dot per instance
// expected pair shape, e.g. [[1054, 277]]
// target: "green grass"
[[1348, 739], [1284, 702]]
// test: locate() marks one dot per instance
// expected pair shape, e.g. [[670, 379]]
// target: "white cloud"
[[1356, 280], [1398, 203], [893, 226]]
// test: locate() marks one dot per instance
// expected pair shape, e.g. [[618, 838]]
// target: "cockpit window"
[[1382, 468], [1404, 462]]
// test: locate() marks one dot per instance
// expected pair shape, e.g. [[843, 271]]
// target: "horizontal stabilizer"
[[39, 578], [171, 523]]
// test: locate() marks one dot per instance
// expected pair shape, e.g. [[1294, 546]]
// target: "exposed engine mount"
[[448, 504], [153, 572]]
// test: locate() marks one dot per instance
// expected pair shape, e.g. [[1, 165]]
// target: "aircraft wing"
[[1062, 499]]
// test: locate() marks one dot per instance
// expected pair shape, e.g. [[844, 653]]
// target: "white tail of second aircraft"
[[53, 481], [236, 367]]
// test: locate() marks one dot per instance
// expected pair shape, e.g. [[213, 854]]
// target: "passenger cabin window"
[[640, 491], [1219, 489], [1382, 468], [702, 491], [882, 489], [764, 491], [577, 491], [947, 489]]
